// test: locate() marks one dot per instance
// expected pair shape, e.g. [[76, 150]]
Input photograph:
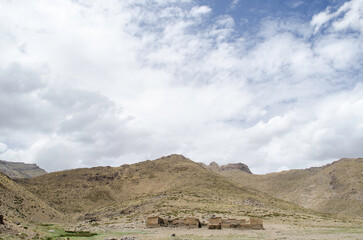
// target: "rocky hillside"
[[336, 188], [20, 170], [170, 186], [19, 205]]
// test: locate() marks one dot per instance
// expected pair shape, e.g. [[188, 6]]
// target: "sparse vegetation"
[[331, 189], [77, 234], [170, 187]]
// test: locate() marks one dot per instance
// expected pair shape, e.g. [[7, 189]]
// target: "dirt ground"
[[272, 231], [121, 229]]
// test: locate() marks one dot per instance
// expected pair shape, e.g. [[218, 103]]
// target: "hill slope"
[[170, 186], [336, 188], [20, 170], [18, 204]]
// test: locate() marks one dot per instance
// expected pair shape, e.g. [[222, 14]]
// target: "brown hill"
[[336, 188], [170, 186], [20, 170], [17, 204]]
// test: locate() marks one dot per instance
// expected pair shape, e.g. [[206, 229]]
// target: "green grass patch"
[[78, 234]]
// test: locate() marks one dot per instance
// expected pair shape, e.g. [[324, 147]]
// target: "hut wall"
[[153, 222], [256, 223], [192, 223]]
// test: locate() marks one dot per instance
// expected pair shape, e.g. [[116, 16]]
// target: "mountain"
[[335, 188], [170, 186], [18, 204], [20, 170]]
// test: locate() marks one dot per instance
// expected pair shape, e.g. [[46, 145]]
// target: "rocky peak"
[[214, 165], [235, 166], [232, 166]]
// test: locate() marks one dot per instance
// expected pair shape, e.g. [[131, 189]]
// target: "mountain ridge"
[[174, 184], [170, 185], [335, 188], [20, 169]]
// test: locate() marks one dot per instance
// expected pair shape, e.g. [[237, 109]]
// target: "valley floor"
[[272, 231]]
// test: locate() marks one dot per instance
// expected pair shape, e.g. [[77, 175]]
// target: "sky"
[[274, 84]]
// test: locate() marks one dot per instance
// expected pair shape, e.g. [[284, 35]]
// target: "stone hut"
[[232, 223], [215, 223], [168, 222], [219, 223], [187, 222], [204, 223], [153, 222], [193, 223], [177, 222], [256, 223]]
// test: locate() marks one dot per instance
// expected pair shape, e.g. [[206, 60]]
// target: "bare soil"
[[303, 230]]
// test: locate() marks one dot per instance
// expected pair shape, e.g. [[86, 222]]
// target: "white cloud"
[[283, 168], [112, 82], [320, 19], [3, 147], [200, 10], [352, 12], [234, 4], [295, 4]]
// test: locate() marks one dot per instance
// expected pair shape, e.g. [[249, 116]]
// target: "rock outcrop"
[[235, 166], [213, 166]]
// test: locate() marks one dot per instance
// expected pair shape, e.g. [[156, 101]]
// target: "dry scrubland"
[[114, 202], [335, 188]]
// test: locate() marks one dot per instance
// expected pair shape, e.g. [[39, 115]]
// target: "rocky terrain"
[[19, 204], [336, 188], [19, 207], [104, 200], [20, 170]]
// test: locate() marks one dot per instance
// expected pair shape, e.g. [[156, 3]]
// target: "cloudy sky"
[[274, 84]]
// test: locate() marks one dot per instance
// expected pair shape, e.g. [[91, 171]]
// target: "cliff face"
[[20, 170]]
